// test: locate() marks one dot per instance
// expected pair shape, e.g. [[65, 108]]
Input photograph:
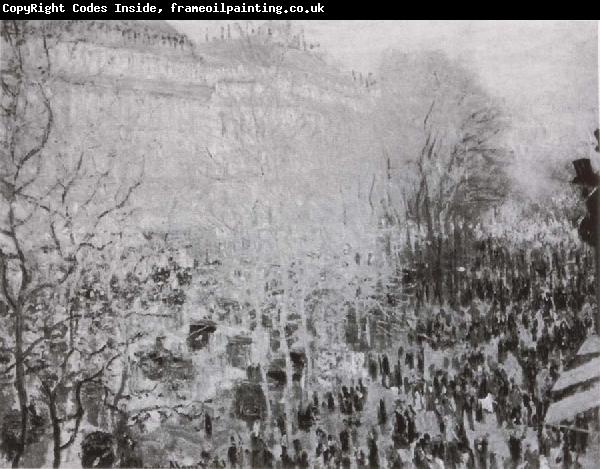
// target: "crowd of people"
[[469, 386], [438, 417], [548, 275]]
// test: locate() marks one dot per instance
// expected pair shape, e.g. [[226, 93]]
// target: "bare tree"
[[56, 213], [455, 171]]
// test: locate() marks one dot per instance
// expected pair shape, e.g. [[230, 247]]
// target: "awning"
[[591, 345], [589, 370], [570, 406]]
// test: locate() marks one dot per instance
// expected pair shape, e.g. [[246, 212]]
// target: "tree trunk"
[[283, 316], [306, 345], [439, 279], [263, 368], [288, 375], [55, 432], [265, 388], [431, 250], [20, 384], [115, 414]]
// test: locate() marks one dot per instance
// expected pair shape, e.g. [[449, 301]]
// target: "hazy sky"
[[514, 59], [553, 62], [544, 72]]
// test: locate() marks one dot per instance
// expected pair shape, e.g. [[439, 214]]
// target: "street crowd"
[[470, 386]]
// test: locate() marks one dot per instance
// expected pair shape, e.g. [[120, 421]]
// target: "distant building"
[[141, 89]]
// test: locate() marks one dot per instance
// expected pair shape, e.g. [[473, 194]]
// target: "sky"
[[553, 60], [544, 72]]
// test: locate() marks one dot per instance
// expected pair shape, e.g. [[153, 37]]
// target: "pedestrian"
[[232, 453], [373, 451], [381, 413]]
